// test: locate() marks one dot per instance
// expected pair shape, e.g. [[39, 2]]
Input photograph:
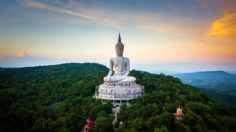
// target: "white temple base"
[[118, 93]]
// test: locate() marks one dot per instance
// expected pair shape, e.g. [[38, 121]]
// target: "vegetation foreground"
[[59, 98]]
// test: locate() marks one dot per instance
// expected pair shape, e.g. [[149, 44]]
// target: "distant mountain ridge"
[[206, 75], [220, 85]]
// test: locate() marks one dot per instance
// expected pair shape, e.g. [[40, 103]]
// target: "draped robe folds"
[[119, 70]]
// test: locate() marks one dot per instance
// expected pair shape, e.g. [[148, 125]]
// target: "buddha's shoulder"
[[117, 58], [126, 59]]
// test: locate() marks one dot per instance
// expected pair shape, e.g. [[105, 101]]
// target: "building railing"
[[117, 97], [127, 95]]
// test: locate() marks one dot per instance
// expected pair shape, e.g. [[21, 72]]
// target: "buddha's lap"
[[119, 78]]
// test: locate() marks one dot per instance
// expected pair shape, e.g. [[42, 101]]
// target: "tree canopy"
[[60, 98]]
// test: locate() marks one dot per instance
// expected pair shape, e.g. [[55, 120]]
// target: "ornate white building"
[[118, 87]]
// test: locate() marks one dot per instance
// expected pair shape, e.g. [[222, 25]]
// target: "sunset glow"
[[179, 35]]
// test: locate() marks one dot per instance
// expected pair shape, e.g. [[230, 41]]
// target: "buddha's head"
[[119, 47]]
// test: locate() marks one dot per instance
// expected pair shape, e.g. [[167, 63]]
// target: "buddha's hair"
[[120, 45]]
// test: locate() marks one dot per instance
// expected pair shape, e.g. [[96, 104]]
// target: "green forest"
[[60, 98]]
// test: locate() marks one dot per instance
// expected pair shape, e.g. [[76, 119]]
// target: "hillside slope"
[[59, 98], [49, 98], [163, 94], [218, 84]]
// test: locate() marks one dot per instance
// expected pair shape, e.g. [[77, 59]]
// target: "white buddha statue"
[[119, 66]]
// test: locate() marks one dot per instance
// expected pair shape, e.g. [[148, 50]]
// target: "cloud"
[[120, 18], [79, 11], [224, 26], [21, 54]]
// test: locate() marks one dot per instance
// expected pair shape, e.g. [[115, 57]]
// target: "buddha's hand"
[[108, 78], [126, 74]]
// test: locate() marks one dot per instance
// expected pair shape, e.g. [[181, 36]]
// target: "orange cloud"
[[224, 27], [21, 54]]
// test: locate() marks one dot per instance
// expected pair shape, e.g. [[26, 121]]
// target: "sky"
[[158, 35]]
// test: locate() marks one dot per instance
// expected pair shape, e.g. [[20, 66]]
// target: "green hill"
[[59, 98]]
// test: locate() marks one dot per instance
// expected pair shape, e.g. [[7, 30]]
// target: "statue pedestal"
[[118, 92]]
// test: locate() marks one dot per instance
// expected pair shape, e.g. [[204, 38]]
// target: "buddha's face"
[[119, 50]]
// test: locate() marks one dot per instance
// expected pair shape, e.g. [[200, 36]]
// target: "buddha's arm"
[[110, 69], [127, 68]]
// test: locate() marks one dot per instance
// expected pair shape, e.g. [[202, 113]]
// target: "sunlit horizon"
[[159, 36]]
